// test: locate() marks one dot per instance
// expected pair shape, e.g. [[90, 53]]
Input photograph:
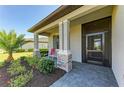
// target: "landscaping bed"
[[42, 80], [4, 77], [28, 74]]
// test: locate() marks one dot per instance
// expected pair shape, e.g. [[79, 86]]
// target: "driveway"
[[87, 75]]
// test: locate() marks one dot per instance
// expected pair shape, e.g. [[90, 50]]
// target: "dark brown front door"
[[95, 48], [96, 42]]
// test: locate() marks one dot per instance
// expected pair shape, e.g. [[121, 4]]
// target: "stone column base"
[[64, 60], [37, 53]]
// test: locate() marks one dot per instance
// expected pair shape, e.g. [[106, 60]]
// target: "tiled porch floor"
[[87, 75]]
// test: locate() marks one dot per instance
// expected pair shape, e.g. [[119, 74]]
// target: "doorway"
[[96, 42]]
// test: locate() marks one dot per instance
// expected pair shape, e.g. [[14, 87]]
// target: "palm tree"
[[10, 42]]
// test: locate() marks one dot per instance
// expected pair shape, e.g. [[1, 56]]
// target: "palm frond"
[[10, 41]]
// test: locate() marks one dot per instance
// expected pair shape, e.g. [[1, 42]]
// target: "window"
[[56, 41], [97, 44]]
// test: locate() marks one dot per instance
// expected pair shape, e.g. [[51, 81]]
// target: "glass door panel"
[[95, 47]]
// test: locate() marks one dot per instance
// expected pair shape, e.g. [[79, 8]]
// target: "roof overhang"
[[48, 23], [58, 13]]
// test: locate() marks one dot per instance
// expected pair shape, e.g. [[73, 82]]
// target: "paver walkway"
[[87, 75]]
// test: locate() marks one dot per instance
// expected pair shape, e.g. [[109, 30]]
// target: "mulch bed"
[[39, 79], [4, 77]]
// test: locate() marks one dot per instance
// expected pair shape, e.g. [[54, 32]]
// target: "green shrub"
[[16, 68], [20, 76], [30, 50], [46, 65], [20, 50], [33, 61], [44, 52], [23, 58], [22, 79], [2, 64]]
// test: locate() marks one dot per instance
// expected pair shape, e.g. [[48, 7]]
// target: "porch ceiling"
[[47, 32], [58, 13], [81, 11], [98, 14]]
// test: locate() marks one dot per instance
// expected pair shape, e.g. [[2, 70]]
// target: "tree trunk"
[[10, 57]]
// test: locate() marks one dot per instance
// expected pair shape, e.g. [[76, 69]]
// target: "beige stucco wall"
[[75, 42], [52, 32], [50, 41], [118, 44], [75, 35]]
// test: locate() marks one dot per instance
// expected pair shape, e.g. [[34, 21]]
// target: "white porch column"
[[36, 46], [66, 34], [60, 36], [64, 56]]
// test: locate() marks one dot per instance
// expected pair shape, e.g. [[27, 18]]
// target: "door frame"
[[83, 41]]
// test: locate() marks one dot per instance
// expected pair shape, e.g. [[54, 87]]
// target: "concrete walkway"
[[87, 75]]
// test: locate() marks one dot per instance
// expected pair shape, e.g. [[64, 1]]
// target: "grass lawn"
[[15, 55]]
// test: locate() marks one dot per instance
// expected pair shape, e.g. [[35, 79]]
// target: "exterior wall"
[[118, 44], [50, 38], [75, 35], [50, 41], [31, 45], [75, 42]]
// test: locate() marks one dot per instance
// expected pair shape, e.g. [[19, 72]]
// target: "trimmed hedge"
[[20, 50], [44, 52], [30, 50]]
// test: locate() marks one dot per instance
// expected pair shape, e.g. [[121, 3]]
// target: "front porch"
[[87, 75], [68, 38], [87, 34]]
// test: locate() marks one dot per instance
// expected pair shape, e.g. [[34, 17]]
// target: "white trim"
[[92, 34]]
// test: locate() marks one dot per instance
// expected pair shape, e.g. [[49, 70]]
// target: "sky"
[[20, 18]]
